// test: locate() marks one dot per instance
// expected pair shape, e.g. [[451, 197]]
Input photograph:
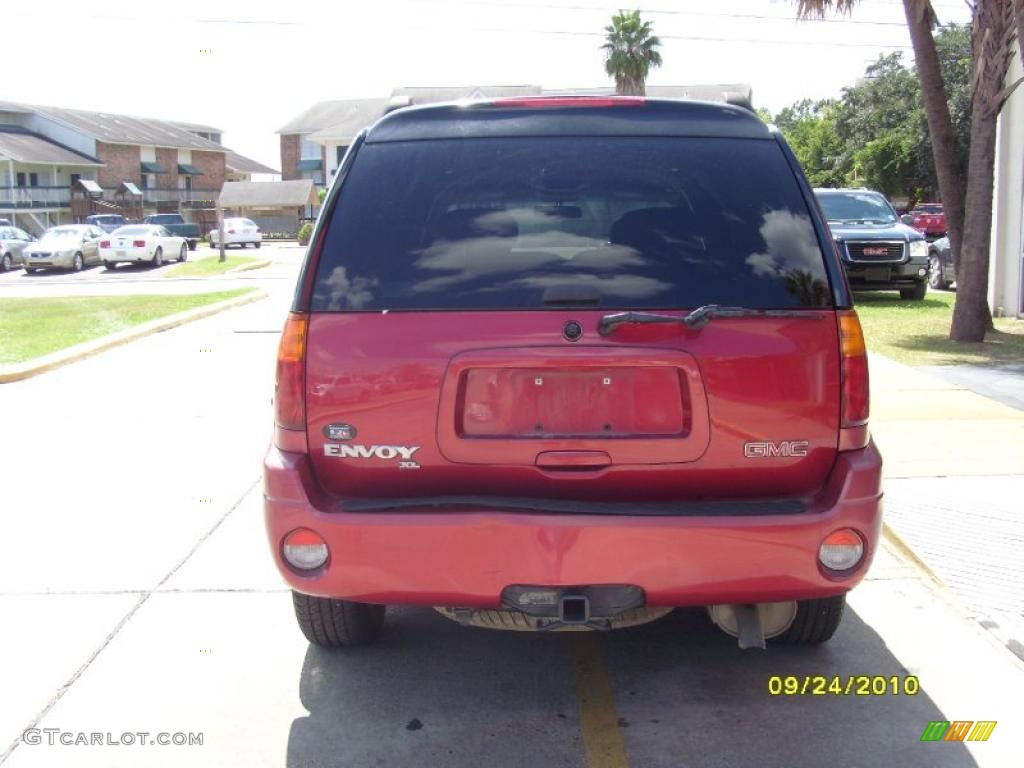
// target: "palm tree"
[[992, 37], [630, 52]]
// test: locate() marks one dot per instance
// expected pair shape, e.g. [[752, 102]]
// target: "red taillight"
[[571, 101], [854, 357], [289, 391], [104, 243], [138, 243]]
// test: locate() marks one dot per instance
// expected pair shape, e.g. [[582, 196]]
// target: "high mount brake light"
[[570, 101]]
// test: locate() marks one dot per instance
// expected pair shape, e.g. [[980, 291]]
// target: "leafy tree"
[[630, 51]]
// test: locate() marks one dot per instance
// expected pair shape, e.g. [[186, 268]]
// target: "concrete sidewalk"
[[954, 469]]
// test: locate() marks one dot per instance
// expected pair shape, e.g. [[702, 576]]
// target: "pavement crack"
[[143, 597]]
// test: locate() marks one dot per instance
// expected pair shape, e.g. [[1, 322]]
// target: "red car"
[[928, 218], [608, 366]]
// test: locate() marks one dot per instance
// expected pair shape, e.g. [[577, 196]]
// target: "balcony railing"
[[35, 197], [60, 197]]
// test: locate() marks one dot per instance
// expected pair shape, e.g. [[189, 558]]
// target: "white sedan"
[[237, 231], [141, 242]]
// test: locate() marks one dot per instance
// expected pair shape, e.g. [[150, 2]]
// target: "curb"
[[86, 349], [1012, 644], [246, 267]]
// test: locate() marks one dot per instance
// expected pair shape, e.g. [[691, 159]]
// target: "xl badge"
[[339, 432]]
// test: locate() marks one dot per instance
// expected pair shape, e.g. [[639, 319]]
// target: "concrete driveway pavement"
[[138, 595]]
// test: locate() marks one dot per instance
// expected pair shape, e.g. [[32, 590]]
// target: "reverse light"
[[854, 375], [841, 550], [304, 550], [289, 390]]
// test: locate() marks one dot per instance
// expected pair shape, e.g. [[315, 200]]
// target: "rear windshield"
[[133, 231], [532, 223]]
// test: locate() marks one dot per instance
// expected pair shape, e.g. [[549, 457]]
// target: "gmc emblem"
[[767, 449], [876, 251]]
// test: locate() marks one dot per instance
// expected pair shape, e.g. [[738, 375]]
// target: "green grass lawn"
[[208, 265], [34, 327], [917, 332]]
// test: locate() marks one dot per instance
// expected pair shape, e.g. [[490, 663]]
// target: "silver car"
[[68, 246], [13, 242]]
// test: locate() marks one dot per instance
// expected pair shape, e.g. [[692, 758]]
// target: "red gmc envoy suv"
[[562, 363]]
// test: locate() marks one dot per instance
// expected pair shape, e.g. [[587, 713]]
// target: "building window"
[[33, 179], [75, 177], [147, 181], [21, 179]]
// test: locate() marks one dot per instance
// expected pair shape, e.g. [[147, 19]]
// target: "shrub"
[[305, 232]]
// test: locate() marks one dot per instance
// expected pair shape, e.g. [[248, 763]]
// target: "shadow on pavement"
[[433, 693]]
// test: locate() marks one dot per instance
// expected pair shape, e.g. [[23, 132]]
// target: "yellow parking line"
[[599, 722]]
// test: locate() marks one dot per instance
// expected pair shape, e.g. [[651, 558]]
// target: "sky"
[[248, 67]]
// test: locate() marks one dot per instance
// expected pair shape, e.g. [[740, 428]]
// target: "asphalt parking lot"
[[138, 595]]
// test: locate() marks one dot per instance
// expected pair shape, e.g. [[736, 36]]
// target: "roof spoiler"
[[741, 100]]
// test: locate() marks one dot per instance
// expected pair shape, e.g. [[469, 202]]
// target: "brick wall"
[[168, 158], [122, 164], [289, 156], [212, 166]]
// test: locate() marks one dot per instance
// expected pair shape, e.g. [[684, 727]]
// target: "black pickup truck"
[[175, 224]]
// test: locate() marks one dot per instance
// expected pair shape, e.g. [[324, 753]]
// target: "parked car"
[[175, 224], [66, 246], [928, 218], [142, 242], [237, 231], [625, 382], [878, 251], [13, 242], [108, 222], [941, 274]]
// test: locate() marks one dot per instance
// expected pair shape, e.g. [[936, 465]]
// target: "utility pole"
[[220, 231]]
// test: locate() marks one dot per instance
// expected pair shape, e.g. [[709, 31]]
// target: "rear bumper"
[[467, 557]]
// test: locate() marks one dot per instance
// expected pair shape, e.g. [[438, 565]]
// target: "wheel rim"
[[934, 272], [184, 253], [6, 262], [77, 266], [158, 257]]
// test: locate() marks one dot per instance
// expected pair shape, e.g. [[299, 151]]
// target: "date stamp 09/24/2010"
[[843, 685]]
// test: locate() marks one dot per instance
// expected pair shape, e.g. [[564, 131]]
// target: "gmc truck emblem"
[[766, 449], [370, 451], [876, 251]]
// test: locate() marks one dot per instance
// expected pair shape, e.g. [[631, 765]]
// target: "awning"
[[130, 188], [184, 169], [87, 185], [153, 168], [309, 165]]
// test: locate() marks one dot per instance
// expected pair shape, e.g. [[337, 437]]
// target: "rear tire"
[[183, 253], [816, 621], [258, 244], [337, 623], [5, 262], [916, 293], [158, 257], [77, 263], [109, 266]]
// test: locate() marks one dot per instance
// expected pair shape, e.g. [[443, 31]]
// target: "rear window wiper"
[[697, 318]]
